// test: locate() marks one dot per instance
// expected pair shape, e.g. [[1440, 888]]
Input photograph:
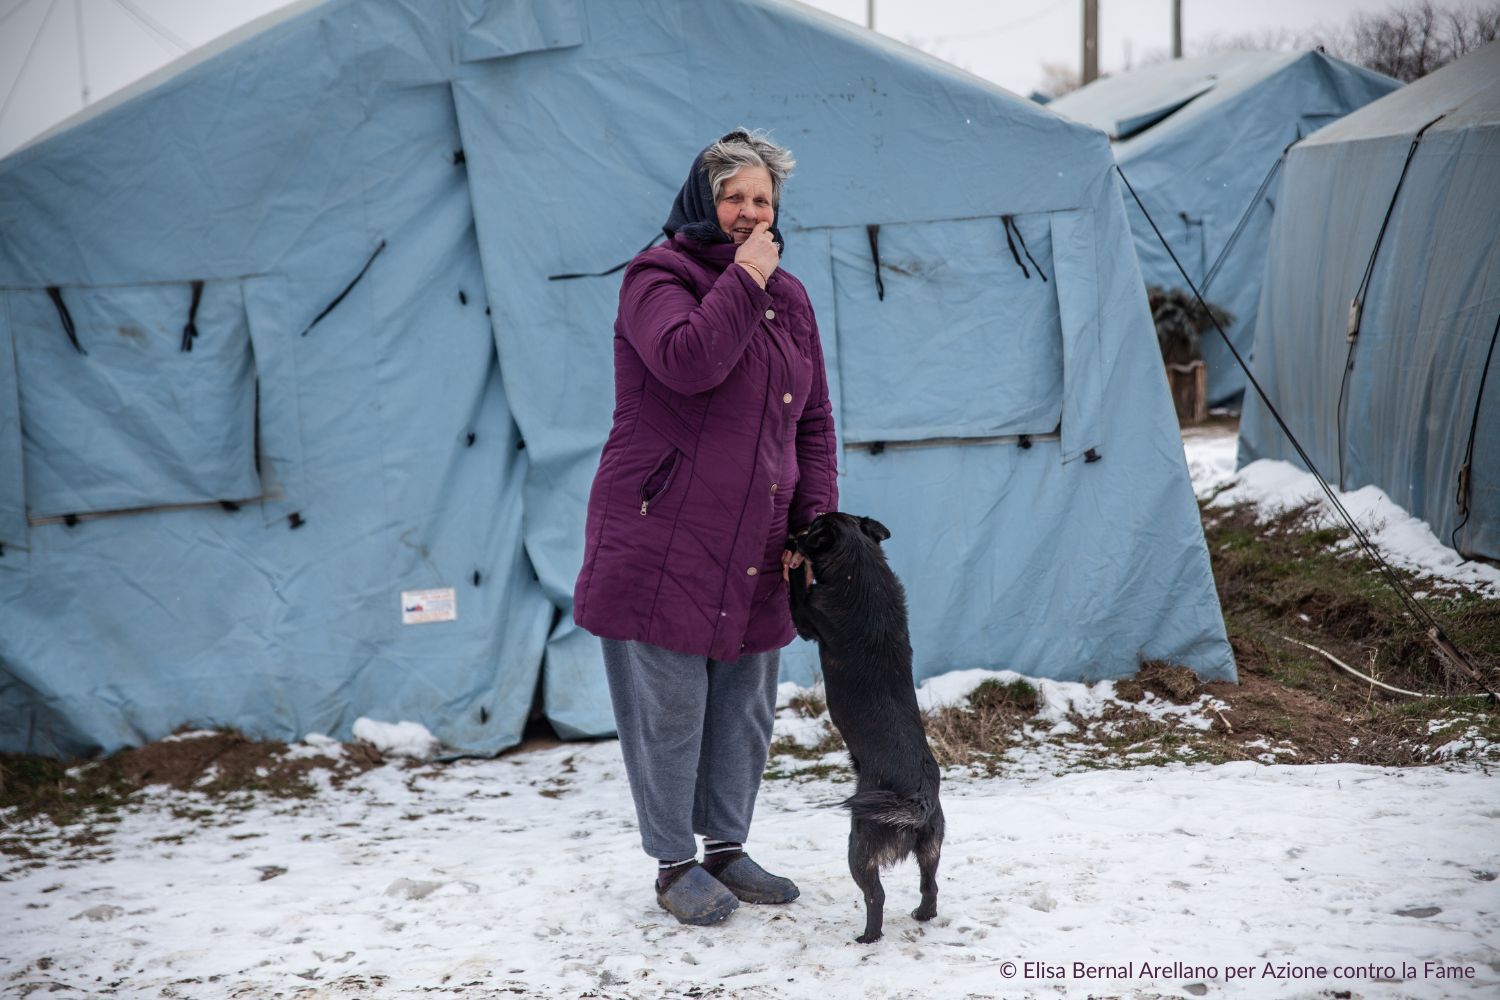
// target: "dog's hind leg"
[[864, 865], [928, 849]]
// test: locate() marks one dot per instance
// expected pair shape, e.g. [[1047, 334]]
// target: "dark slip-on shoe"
[[751, 883], [696, 897]]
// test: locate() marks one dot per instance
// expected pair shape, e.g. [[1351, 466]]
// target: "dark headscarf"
[[694, 214]]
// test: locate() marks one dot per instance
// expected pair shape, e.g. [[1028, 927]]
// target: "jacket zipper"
[[673, 457]]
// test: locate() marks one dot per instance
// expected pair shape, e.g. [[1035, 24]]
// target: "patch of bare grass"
[[224, 766], [978, 732]]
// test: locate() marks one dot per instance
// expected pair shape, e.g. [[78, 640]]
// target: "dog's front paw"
[[924, 912], [869, 938]]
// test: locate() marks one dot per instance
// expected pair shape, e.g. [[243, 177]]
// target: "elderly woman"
[[722, 442]]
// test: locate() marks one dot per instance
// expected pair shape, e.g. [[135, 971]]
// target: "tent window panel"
[[136, 421], [966, 342]]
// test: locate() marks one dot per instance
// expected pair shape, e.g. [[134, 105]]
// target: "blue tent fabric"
[[439, 427], [1200, 140], [1410, 382]]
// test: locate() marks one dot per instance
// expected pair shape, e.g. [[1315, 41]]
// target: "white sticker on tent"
[[421, 606]]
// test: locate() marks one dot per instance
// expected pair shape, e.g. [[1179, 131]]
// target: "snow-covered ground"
[[522, 876], [1276, 486]]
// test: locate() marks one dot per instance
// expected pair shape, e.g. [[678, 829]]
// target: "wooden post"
[[1189, 384], [1090, 41]]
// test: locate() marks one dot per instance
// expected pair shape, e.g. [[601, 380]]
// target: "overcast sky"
[[1008, 41], [43, 80]]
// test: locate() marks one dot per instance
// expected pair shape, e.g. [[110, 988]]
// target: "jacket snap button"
[[773, 487], [787, 398], [770, 314], [751, 571]]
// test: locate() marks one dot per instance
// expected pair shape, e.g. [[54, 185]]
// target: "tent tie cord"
[[1357, 304], [604, 274], [1239, 229], [874, 233], [1009, 222], [1465, 470], [347, 289], [191, 330], [1449, 650], [55, 293]]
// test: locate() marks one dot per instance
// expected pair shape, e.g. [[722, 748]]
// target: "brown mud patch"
[[84, 797]]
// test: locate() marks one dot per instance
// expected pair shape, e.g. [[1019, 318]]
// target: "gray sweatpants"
[[694, 732]]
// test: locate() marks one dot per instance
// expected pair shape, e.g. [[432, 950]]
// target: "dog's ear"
[[816, 538], [874, 529]]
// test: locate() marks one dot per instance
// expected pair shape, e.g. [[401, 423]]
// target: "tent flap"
[[951, 300], [165, 416], [1073, 248]]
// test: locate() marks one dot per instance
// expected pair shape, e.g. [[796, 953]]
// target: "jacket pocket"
[[656, 484]]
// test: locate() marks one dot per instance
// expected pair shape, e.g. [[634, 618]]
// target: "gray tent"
[[1395, 209]]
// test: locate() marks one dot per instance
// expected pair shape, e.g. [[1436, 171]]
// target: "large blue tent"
[[1381, 306], [295, 428], [1201, 140]]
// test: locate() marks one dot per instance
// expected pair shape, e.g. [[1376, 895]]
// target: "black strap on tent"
[[1435, 633], [601, 274], [347, 289], [1357, 304], [191, 330], [1005, 221], [67, 320], [874, 233], [1465, 470], [256, 444], [1009, 222], [1239, 228]]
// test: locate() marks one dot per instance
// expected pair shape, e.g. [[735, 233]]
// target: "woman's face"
[[744, 201]]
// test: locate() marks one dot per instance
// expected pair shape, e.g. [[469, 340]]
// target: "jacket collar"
[[715, 256]]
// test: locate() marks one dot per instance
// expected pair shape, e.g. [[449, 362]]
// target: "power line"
[[999, 28], [151, 24], [14, 10], [26, 61]]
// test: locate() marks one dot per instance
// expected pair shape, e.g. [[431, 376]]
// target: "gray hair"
[[747, 148]]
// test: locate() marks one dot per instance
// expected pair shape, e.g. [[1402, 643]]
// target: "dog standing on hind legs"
[[855, 611]]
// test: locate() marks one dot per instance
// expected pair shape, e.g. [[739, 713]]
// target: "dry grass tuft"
[[979, 732], [808, 703]]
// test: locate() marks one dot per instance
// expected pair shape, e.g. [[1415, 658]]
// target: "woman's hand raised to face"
[[760, 252]]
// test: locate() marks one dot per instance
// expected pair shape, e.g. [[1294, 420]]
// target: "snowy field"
[[522, 876]]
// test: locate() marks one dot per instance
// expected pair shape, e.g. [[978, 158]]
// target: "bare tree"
[[1406, 41], [1059, 78]]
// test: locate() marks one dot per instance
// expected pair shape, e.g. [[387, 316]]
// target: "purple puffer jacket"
[[722, 438]]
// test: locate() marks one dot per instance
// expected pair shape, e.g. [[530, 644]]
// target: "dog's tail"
[[889, 809]]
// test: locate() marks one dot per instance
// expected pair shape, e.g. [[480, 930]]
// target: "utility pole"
[[1090, 41], [870, 14], [1176, 29]]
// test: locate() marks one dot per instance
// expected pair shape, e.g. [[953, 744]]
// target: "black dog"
[[856, 612]]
